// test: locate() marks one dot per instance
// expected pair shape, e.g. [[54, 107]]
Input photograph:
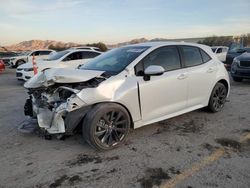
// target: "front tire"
[[217, 98], [106, 126]]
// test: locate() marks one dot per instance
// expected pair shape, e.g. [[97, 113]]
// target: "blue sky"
[[113, 21]]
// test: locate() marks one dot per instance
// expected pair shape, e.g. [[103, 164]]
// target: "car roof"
[[40, 50], [159, 44], [87, 47], [81, 50], [154, 45], [219, 47]]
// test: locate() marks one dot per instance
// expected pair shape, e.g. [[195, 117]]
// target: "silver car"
[[125, 88]]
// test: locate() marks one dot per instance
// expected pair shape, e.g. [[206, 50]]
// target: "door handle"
[[210, 70], [182, 76]]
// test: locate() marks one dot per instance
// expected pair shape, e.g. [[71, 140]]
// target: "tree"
[[225, 40], [217, 41], [246, 39], [100, 45], [57, 48]]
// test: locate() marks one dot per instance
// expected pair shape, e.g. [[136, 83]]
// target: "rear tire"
[[106, 126], [217, 98], [237, 79]]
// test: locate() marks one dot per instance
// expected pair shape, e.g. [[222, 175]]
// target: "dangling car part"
[[131, 86]]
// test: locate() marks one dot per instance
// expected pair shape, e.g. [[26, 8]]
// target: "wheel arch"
[[225, 83], [79, 115]]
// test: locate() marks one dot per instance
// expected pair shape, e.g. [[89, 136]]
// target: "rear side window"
[[74, 56], [36, 53], [167, 57], [89, 55], [205, 56], [192, 56], [44, 52], [219, 50]]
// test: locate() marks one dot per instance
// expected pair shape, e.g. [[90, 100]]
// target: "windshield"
[[247, 49], [57, 55], [116, 60]]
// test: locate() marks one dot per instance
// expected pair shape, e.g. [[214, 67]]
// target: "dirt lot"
[[198, 149]]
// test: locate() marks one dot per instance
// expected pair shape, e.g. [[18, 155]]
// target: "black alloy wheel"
[[106, 126], [218, 97]]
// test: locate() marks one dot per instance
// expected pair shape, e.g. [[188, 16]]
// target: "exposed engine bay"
[[56, 105]]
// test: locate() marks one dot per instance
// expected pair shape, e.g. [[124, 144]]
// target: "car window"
[[205, 56], [88, 55], [44, 52], [57, 55], [36, 53], [73, 56], [192, 56], [219, 50], [167, 57], [247, 49]]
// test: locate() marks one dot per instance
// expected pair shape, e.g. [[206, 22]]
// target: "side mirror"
[[153, 70]]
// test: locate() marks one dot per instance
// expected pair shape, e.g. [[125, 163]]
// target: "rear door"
[[223, 55], [165, 94], [72, 60], [201, 74], [220, 54]]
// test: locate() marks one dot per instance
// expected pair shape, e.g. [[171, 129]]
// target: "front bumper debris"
[[29, 125]]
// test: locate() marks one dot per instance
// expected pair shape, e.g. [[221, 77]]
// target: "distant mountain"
[[44, 44], [37, 44]]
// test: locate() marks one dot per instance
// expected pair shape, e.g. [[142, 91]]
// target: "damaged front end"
[[53, 98]]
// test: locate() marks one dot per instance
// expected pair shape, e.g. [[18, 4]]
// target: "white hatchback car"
[[125, 88], [70, 58], [27, 56]]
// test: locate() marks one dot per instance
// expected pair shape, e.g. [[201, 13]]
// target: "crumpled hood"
[[59, 75]]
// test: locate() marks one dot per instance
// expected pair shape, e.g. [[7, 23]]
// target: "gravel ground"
[[152, 156]]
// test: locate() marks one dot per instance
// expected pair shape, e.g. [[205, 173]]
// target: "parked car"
[[127, 87], [26, 57], [240, 68], [221, 52], [6, 56], [232, 54], [2, 66], [70, 58]]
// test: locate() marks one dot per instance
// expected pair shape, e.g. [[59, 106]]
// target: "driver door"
[[164, 94]]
